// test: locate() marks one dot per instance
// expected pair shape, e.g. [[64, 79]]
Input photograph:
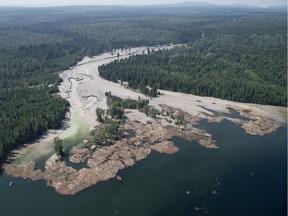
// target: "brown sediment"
[[216, 119], [166, 147], [201, 137], [84, 89], [260, 126], [79, 155], [105, 162], [175, 112], [207, 144], [257, 124], [24, 170], [188, 130]]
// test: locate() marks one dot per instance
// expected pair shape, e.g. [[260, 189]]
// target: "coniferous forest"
[[243, 60], [232, 53]]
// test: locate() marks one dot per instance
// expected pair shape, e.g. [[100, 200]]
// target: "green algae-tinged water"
[[252, 172], [76, 132]]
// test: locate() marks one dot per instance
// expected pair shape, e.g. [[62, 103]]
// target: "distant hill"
[[279, 7], [197, 4]]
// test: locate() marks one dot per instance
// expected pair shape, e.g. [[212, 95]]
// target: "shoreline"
[[85, 91]]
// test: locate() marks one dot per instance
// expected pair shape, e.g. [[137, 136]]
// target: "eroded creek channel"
[[238, 179]]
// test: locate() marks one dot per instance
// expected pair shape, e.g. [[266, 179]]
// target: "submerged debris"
[[201, 209]]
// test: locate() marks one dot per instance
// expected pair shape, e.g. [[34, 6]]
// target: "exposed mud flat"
[[85, 91], [104, 162], [257, 123]]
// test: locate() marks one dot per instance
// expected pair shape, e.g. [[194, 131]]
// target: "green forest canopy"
[[242, 60], [36, 43]]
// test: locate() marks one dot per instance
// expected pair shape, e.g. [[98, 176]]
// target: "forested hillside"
[[243, 60], [37, 43]]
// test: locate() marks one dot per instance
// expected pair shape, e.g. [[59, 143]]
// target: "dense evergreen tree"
[[36, 43], [240, 61], [117, 105], [58, 146], [99, 114]]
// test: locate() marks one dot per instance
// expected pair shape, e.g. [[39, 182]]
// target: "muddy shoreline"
[[85, 91], [105, 162]]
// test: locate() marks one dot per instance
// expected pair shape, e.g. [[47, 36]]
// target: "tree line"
[[35, 44], [241, 61]]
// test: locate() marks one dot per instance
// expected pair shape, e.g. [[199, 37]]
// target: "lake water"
[[246, 176]]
